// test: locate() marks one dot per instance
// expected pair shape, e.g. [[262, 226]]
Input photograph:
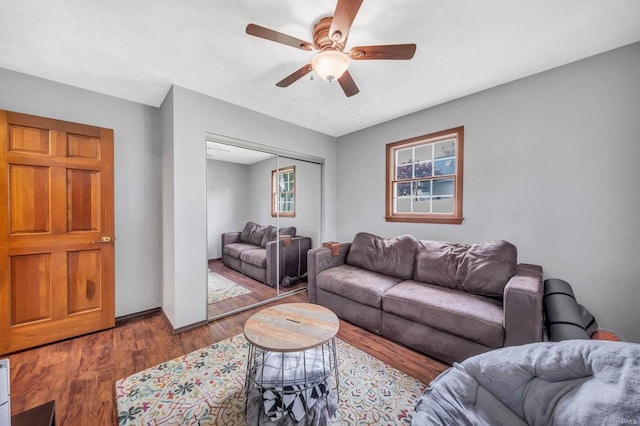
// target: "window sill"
[[422, 219]]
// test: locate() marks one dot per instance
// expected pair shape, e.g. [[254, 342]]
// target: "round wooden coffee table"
[[296, 343]]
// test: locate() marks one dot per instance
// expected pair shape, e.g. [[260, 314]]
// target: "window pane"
[[405, 156], [404, 172], [423, 169], [445, 167], [442, 204], [403, 205], [403, 189], [423, 153], [422, 187], [445, 148], [421, 205], [443, 187]]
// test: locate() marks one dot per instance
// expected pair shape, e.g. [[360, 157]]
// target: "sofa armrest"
[[293, 258], [229, 238], [320, 259], [523, 306]]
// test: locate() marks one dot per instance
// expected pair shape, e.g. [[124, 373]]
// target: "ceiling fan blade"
[[295, 76], [348, 85], [387, 51], [343, 17], [266, 33]]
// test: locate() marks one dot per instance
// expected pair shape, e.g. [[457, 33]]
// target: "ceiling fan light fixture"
[[330, 64]]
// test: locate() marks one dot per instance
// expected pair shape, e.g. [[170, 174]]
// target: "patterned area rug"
[[206, 387], [220, 288]]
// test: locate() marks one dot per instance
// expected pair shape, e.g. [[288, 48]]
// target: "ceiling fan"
[[329, 39]]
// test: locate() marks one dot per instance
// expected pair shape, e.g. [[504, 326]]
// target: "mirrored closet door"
[[263, 215]]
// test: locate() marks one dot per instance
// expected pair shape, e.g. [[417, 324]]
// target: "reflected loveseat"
[[447, 300], [255, 252]]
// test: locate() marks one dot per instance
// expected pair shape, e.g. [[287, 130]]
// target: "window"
[[424, 178], [283, 192]]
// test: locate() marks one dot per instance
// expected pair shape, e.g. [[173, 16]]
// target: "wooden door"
[[56, 230]]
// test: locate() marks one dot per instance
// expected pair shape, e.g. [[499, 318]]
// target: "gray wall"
[[308, 187], [137, 174], [167, 285], [237, 193], [195, 114], [551, 164], [260, 190], [228, 202]]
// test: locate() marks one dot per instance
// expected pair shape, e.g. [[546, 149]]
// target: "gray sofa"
[[255, 252], [450, 301]]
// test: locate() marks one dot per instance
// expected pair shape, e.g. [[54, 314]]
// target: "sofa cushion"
[[257, 234], [389, 256], [472, 317], [236, 249], [269, 235], [288, 230], [483, 268], [356, 284], [256, 257], [245, 235]]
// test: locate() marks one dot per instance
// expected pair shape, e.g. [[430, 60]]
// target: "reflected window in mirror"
[[283, 192]]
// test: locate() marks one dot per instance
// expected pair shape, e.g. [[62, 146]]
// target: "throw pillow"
[[245, 235], [390, 256]]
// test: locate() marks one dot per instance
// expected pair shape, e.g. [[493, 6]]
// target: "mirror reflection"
[[263, 215]]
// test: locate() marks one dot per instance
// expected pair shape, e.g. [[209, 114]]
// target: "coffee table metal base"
[[292, 359], [306, 376]]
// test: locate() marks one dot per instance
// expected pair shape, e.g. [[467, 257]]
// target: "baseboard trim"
[[179, 330], [125, 318], [189, 327]]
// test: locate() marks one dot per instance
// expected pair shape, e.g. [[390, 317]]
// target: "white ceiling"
[[234, 154], [136, 49]]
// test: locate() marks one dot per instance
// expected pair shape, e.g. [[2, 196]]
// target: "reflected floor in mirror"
[[257, 292]]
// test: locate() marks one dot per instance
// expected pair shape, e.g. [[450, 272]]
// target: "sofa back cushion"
[[257, 235], [270, 233], [288, 230], [389, 256], [482, 269], [245, 235]]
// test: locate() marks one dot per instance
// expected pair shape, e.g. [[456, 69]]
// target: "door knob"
[[102, 240]]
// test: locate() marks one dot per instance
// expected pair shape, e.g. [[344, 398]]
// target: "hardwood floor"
[[80, 373], [259, 291]]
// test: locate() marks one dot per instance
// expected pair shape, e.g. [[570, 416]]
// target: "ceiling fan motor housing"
[[322, 39]]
